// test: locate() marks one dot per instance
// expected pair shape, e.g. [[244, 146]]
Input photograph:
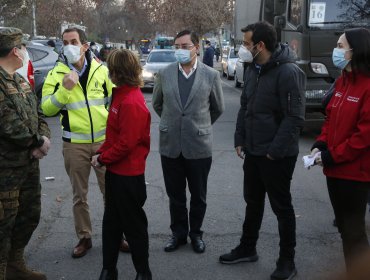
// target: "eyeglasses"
[[184, 47]]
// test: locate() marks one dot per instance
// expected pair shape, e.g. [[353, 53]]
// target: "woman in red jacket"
[[124, 153], [344, 142]]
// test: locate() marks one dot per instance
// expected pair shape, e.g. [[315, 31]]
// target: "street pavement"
[[318, 252]]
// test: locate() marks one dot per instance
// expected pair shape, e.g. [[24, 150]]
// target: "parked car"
[[58, 43], [156, 60], [239, 73], [43, 60], [229, 58]]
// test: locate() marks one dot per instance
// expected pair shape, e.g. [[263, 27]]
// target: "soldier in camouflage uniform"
[[24, 139]]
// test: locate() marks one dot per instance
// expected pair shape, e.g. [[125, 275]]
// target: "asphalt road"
[[318, 251]]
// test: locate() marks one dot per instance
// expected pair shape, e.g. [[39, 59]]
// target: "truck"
[[311, 28]]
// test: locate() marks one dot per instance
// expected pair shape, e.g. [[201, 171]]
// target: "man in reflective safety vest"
[[79, 89]]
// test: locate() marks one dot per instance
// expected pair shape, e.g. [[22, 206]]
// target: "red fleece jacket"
[[127, 142], [346, 131]]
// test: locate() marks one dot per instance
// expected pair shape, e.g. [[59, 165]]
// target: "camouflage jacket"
[[21, 125]]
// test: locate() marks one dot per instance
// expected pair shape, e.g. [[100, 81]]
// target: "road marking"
[[232, 87]]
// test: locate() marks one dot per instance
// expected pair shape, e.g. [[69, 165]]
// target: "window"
[[36, 55], [268, 11], [162, 57], [328, 14], [295, 12]]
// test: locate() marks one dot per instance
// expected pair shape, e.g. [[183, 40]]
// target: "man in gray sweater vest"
[[188, 98]]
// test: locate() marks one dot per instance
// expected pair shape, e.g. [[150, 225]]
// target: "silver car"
[[43, 60], [157, 59], [239, 73], [228, 62]]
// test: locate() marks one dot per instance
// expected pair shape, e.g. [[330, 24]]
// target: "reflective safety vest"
[[83, 115]]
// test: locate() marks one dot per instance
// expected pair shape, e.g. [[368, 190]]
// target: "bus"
[[145, 46], [164, 42]]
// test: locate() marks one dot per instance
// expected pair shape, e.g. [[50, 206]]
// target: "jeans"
[[261, 176]]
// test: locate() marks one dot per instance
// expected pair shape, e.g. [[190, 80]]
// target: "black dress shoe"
[[198, 244], [109, 274], [174, 243], [144, 276]]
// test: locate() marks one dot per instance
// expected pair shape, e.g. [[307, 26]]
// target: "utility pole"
[[34, 18]]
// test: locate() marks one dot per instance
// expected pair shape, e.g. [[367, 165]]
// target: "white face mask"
[[23, 70], [24, 57], [245, 55], [72, 53]]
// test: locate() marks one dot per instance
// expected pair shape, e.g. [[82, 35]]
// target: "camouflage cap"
[[10, 37]]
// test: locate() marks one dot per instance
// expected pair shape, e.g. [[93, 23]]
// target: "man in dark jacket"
[[266, 137], [209, 54]]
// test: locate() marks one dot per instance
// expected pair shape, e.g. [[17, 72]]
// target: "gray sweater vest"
[[185, 86]]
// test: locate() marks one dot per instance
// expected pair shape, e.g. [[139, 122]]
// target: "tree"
[[119, 20], [201, 16], [355, 10]]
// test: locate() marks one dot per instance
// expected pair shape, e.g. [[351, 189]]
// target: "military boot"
[[17, 269]]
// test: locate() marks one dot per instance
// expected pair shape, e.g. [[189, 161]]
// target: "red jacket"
[[127, 142], [346, 131]]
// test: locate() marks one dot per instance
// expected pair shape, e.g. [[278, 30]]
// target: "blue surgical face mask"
[[183, 56], [339, 59]]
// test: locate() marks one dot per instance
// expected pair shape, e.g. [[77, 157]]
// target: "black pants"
[[176, 172], [124, 200], [273, 177], [349, 199]]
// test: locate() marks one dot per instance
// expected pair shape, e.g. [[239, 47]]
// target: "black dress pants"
[[124, 200], [176, 173], [261, 176], [349, 199]]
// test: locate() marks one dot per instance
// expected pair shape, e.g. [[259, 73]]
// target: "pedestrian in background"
[[104, 51], [344, 142], [124, 154], [188, 98], [217, 53], [79, 88], [266, 137], [94, 50], [208, 54], [24, 139], [51, 44]]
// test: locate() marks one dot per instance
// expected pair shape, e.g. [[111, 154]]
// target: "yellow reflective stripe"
[[44, 98], [82, 136], [82, 104], [108, 100], [55, 102]]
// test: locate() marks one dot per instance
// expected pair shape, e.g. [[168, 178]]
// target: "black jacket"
[[208, 56], [272, 107]]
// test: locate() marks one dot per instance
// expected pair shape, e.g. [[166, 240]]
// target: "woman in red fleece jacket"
[[124, 153], [344, 142]]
